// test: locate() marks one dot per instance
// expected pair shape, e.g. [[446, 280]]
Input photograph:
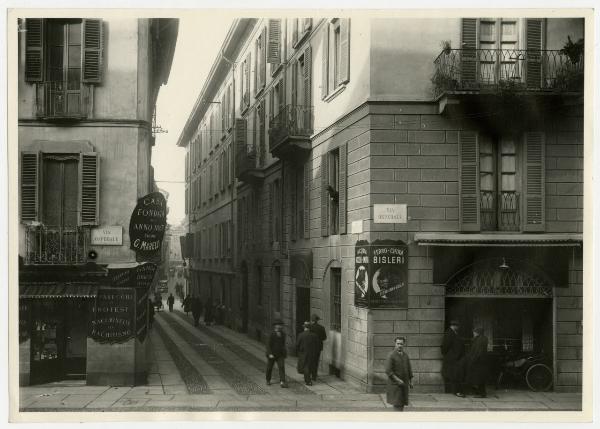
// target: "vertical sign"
[[147, 226], [144, 274], [114, 313]]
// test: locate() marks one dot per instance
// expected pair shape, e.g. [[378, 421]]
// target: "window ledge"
[[301, 38], [275, 70], [335, 93]]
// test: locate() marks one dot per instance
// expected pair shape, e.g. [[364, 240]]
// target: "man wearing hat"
[[320, 331], [476, 361], [452, 351], [276, 352], [307, 347]]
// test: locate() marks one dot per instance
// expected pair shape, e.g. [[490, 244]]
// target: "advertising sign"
[[147, 225], [114, 313], [381, 274]]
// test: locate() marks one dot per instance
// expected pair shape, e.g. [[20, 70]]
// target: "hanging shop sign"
[[107, 236], [381, 274], [114, 315], [147, 225]]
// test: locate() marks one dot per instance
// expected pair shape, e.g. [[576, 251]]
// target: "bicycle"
[[532, 369]]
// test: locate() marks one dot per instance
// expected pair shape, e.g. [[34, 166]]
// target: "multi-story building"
[[459, 139], [87, 91]]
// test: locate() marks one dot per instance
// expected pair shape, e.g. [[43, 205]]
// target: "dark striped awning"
[[58, 290], [498, 239]]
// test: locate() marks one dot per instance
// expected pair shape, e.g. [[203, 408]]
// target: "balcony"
[[62, 100], [290, 131], [245, 164], [56, 246], [500, 211], [493, 70]]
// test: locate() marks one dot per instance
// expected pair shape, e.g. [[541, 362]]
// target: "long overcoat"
[[453, 350], [398, 364], [308, 347], [476, 361]]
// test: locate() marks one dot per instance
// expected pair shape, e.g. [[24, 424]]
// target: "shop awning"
[[500, 240], [58, 290]]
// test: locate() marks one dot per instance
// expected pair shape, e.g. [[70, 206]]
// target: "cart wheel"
[[539, 377]]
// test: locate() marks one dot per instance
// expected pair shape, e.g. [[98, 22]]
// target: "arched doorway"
[[244, 297]]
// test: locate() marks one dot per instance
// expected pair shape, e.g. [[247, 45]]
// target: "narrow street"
[[215, 369]]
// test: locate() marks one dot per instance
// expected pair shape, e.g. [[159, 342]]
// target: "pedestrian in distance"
[[170, 302], [476, 363], [187, 304], [453, 351], [276, 353], [196, 309], [220, 314], [308, 349], [320, 331], [150, 313], [208, 313], [399, 372]]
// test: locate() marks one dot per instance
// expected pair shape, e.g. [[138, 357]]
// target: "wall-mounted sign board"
[[389, 213], [107, 236]]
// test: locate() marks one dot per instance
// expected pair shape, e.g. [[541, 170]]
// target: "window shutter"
[[534, 53], [324, 195], [306, 24], [344, 50], [307, 75], [261, 136], [263, 58], [325, 63], [290, 198], [223, 113], [30, 168], [271, 226], [89, 180], [274, 44], [247, 80], [242, 85], [342, 188], [92, 51], [468, 63], [187, 192], [295, 31], [307, 183], [34, 50], [534, 207], [469, 181], [294, 91], [230, 107]]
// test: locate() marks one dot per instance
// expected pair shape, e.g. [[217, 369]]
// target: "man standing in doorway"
[[276, 352], [452, 352], [476, 360], [320, 331]]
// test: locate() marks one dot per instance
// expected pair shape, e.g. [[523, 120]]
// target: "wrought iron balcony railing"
[[500, 211], [475, 69], [62, 100], [291, 123], [47, 245], [245, 161]]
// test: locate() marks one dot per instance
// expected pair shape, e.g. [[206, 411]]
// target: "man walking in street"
[[187, 304], [452, 352], [308, 349], [476, 361], [399, 372], [170, 302], [276, 352], [196, 309], [322, 336]]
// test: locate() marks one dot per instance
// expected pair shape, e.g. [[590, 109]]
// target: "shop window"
[[336, 300]]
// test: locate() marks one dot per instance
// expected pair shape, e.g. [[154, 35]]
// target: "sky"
[[198, 44]]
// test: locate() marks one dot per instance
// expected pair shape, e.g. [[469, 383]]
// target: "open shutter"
[[307, 76], [30, 173], [325, 63], [295, 31], [242, 85], [306, 25], [223, 112], [34, 50], [307, 183], [534, 53], [468, 63], [263, 58], [344, 50], [274, 43], [270, 202], [230, 107], [534, 204], [290, 199], [247, 80], [294, 86], [92, 51], [324, 195], [342, 188], [89, 180], [469, 181]]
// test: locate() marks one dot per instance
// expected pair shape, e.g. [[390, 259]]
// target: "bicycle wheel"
[[539, 377]]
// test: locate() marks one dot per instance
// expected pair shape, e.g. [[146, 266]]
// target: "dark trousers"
[[196, 319], [170, 307], [452, 386], [280, 366], [315, 366]]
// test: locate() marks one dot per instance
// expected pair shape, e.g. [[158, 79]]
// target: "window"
[[274, 46], [334, 167], [336, 300], [260, 69], [276, 291], [333, 189], [245, 83], [261, 130], [300, 29], [335, 57], [497, 34]]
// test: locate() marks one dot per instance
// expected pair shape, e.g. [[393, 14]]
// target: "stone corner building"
[[87, 91], [306, 126]]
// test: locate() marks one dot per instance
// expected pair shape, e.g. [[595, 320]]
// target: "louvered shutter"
[[187, 199], [306, 24], [274, 43], [92, 50], [307, 75], [89, 180], [295, 31], [294, 86], [247, 80], [34, 50], [223, 113], [325, 63], [307, 183], [242, 80], [270, 202], [290, 199], [324, 195], [469, 181], [534, 195], [30, 173], [468, 63], [263, 58], [342, 188], [230, 107], [534, 53], [344, 50]]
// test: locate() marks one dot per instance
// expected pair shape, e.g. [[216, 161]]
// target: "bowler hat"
[[277, 322], [478, 331], [315, 317], [454, 322]]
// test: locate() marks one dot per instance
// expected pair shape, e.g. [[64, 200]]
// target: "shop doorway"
[[302, 307], [244, 299]]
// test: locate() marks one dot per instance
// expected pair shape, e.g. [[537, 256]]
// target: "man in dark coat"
[[170, 302], [308, 347], [399, 372], [476, 363], [187, 304], [320, 331], [452, 351], [196, 309], [276, 352], [209, 313]]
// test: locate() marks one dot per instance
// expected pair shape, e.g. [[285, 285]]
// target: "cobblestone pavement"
[[215, 369]]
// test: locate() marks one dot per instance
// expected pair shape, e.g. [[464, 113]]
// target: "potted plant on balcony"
[[569, 74], [445, 76]]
